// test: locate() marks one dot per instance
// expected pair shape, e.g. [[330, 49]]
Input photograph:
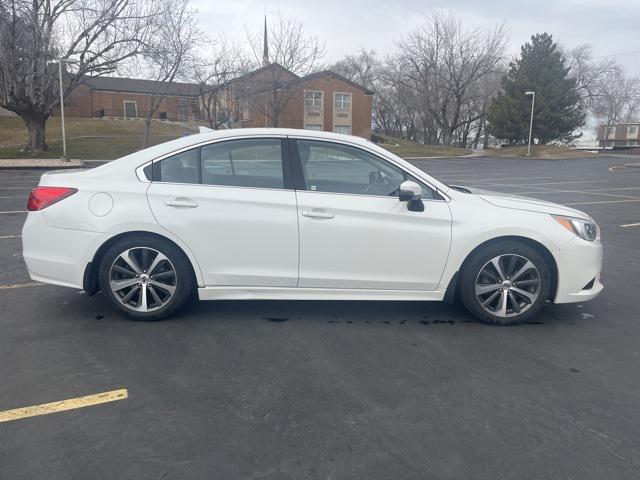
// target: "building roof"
[[135, 85], [296, 80], [331, 73]]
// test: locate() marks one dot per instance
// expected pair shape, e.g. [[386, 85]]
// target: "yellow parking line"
[[63, 405], [21, 285]]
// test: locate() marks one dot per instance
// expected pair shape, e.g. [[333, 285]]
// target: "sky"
[[609, 26]]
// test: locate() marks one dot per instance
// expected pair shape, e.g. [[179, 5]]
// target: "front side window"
[[243, 163], [332, 167], [342, 100]]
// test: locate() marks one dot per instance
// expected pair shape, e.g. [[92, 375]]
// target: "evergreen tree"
[[558, 111]]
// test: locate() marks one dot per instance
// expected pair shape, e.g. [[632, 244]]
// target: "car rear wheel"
[[145, 277], [505, 283]]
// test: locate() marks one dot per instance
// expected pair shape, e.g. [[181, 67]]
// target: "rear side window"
[[243, 163], [180, 168]]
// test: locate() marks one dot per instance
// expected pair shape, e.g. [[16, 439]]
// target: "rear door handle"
[[181, 202], [317, 213]]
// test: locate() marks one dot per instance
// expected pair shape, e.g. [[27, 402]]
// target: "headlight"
[[585, 229]]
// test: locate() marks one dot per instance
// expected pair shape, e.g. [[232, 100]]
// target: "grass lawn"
[[546, 152], [88, 138], [406, 148]]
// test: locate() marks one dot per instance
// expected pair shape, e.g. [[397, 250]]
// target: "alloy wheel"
[[507, 285], [142, 279]]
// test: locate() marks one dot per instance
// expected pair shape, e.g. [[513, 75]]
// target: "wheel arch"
[[90, 278], [453, 287]]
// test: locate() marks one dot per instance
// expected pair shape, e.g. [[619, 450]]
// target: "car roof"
[[136, 159]]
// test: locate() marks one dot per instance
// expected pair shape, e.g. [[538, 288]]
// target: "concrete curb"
[[40, 164]]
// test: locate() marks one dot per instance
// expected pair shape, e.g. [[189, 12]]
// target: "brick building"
[[270, 96], [131, 98], [623, 136], [273, 96]]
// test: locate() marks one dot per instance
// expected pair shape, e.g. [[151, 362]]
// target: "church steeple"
[[265, 47]]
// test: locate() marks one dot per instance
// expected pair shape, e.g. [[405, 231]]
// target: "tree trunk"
[[36, 128], [147, 129]]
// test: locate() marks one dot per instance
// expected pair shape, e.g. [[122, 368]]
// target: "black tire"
[[184, 284], [471, 271]]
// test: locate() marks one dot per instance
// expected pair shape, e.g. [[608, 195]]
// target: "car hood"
[[517, 202]]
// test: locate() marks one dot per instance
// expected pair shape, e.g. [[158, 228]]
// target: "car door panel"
[[355, 232], [241, 235], [371, 242]]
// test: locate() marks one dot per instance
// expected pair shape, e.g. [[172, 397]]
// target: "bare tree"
[[588, 73], [443, 62], [213, 72], [616, 97], [291, 54], [166, 53], [362, 68], [91, 37]]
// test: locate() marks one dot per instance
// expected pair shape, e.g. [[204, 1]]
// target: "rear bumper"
[[57, 255], [579, 266]]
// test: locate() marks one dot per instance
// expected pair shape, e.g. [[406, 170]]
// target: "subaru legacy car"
[[300, 215]]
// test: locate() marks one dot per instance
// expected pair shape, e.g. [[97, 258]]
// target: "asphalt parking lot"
[[335, 390]]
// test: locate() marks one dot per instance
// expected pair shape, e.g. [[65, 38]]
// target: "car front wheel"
[[145, 277], [505, 283]]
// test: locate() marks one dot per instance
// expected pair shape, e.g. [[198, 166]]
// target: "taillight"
[[42, 197]]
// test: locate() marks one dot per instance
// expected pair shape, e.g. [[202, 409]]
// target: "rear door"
[[232, 204]]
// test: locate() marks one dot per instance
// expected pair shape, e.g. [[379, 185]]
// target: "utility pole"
[[533, 102], [64, 137]]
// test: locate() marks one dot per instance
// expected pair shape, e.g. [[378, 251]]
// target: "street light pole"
[[533, 102], [64, 137]]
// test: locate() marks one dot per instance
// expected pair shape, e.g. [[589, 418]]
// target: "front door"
[[354, 231], [228, 203]]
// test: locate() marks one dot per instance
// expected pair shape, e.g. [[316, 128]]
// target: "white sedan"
[[304, 215]]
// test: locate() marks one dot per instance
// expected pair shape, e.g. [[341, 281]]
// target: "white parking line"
[[21, 285], [12, 197], [532, 185], [606, 201], [5, 237], [10, 212], [630, 225], [501, 179]]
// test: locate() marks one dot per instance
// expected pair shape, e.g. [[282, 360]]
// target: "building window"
[[313, 99], [610, 132], [632, 131], [183, 100], [193, 100], [310, 126], [342, 100], [344, 129], [130, 109], [243, 106]]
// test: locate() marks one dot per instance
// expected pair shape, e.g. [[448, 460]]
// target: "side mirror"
[[411, 192]]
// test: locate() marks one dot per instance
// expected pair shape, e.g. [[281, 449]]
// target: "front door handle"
[[317, 213], [181, 202]]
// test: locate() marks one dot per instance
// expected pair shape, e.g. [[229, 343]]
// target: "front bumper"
[[57, 255], [579, 265]]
